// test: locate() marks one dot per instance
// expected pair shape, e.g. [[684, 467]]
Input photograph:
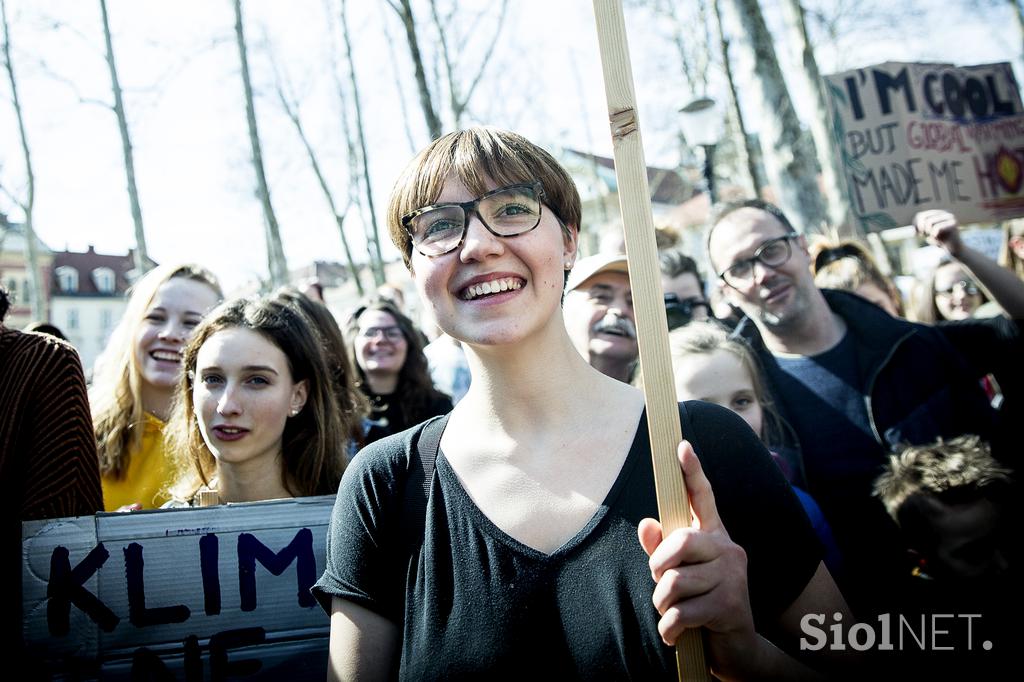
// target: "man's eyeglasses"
[[390, 333], [966, 286], [772, 254], [680, 311], [506, 212]]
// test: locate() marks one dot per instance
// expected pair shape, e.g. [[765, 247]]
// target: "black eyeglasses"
[[772, 254], [506, 212], [680, 311]]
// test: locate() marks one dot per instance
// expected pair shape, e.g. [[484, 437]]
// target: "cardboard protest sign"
[[916, 136], [180, 594]]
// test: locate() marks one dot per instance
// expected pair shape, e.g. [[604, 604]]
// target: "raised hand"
[[940, 228]]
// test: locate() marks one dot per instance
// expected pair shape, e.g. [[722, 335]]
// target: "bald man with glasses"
[[852, 382]]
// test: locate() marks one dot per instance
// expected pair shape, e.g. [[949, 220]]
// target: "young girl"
[[256, 416], [135, 379], [519, 553], [391, 369], [710, 366]]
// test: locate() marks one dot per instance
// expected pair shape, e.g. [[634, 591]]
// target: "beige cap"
[[586, 268]]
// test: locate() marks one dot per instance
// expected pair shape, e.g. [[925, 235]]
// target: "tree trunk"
[[339, 218], [744, 147], [36, 295], [787, 159], [377, 262], [399, 89], [433, 122], [275, 251], [141, 252], [835, 196]]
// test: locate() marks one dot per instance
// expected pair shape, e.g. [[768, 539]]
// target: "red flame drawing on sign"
[[1008, 169]]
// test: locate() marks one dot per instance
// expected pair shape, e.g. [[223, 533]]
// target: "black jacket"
[[917, 385], [920, 381]]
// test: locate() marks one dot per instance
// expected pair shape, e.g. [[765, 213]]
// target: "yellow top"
[[149, 472]]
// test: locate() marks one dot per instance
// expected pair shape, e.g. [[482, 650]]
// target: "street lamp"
[[702, 127]]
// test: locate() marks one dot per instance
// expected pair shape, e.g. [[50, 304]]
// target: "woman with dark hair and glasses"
[[391, 369], [503, 538]]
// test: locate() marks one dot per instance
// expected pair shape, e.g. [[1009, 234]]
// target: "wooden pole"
[[648, 300]]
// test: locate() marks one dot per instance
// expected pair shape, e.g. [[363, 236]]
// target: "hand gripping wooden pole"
[[648, 300]]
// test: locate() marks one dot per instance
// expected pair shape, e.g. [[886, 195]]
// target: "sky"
[[179, 66]]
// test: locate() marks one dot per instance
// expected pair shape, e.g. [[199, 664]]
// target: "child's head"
[[710, 366], [947, 498]]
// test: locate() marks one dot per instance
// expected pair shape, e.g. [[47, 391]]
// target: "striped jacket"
[[48, 462]]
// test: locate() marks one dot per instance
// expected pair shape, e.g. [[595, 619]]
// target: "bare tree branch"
[[404, 11], [393, 58], [36, 295], [483, 64], [275, 251], [453, 88], [291, 109], [141, 253], [378, 262]]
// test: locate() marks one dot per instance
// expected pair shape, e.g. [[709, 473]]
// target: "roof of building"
[[85, 263], [667, 186], [12, 237]]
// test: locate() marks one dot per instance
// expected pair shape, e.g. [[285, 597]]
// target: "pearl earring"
[[294, 412]]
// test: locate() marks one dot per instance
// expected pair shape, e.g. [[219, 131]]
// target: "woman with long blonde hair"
[[135, 378]]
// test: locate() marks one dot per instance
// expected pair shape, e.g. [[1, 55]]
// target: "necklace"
[[378, 410]]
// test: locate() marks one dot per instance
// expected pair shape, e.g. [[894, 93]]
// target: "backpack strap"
[[418, 481]]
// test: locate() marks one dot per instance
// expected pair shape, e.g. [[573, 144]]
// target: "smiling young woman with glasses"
[[391, 369], [506, 533]]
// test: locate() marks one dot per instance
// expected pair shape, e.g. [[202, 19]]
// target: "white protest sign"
[[179, 594], [916, 136]]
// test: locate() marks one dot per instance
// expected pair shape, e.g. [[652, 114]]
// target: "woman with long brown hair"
[[391, 369], [256, 415]]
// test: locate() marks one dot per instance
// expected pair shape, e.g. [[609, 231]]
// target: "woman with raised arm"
[[136, 377], [503, 539], [257, 416]]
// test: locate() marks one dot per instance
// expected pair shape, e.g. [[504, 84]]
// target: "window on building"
[[106, 319], [67, 279], [73, 319], [12, 289], [103, 278]]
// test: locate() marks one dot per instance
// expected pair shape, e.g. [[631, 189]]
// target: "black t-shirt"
[[473, 601], [824, 396]]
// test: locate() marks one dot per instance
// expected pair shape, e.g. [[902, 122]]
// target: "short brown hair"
[[475, 156], [962, 464]]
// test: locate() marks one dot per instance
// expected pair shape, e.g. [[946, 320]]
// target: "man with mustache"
[[852, 382], [598, 314]]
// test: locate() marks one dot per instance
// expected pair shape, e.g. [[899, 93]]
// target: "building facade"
[[14, 272], [89, 295]]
